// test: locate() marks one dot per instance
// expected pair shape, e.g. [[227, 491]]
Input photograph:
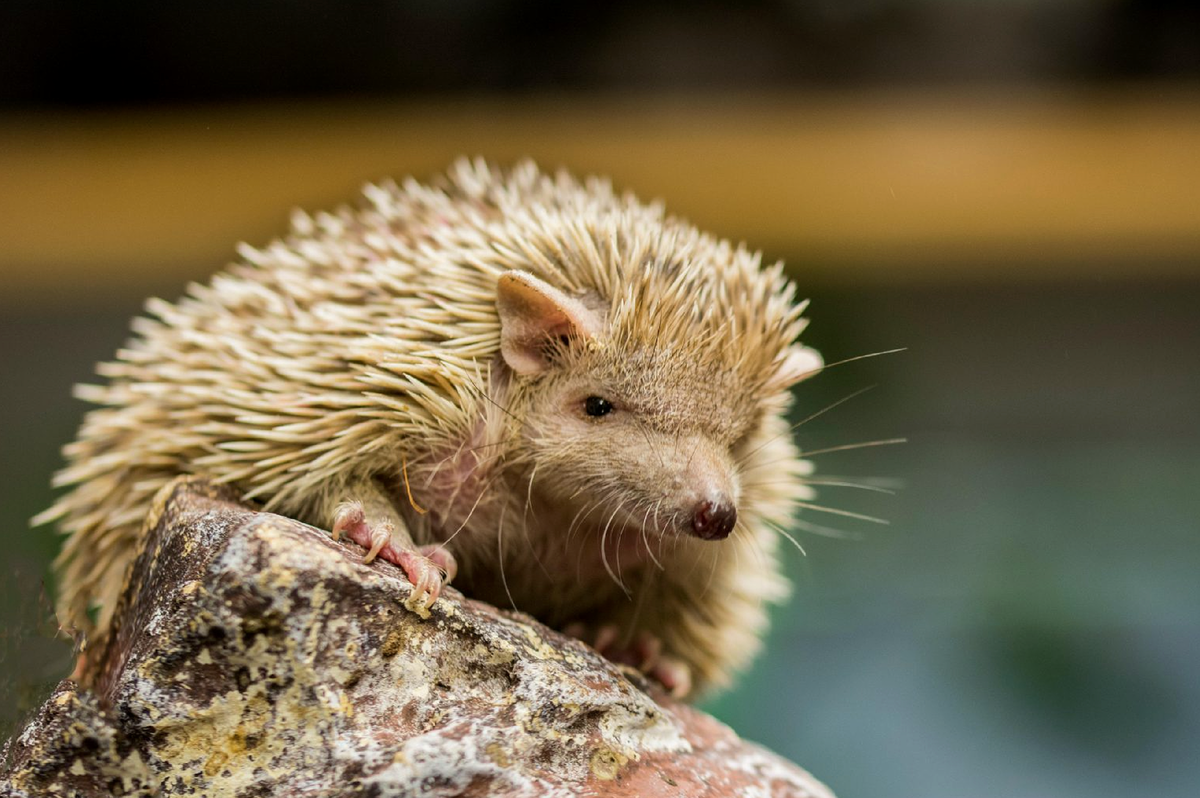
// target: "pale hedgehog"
[[570, 398]]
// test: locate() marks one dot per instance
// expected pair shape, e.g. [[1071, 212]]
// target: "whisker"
[[483, 492], [580, 515], [642, 428], [645, 542], [619, 532], [737, 561], [863, 357], [823, 482], [482, 392], [604, 553], [627, 635], [826, 531], [820, 508], [880, 482], [500, 552], [529, 494], [660, 537], [525, 522], [787, 535], [848, 446], [752, 539], [804, 421], [695, 446], [567, 543], [839, 483]]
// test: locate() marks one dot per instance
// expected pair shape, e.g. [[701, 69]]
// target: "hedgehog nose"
[[713, 521]]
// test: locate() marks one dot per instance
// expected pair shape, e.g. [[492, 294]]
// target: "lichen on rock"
[[255, 656]]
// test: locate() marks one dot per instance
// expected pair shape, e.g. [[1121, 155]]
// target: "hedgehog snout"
[[709, 501], [713, 520]]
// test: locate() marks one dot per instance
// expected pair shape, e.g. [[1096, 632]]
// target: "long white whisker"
[[839, 483], [525, 522], [805, 455], [604, 553], [879, 482], [820, 508], [863, 357], [826, 531], [752, 538], [845, 447], [500, 552], [645, 542], [788, 535], [470, 513], [823, 482], [802, 422], [580, 515]]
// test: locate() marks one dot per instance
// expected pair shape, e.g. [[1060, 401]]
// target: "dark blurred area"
[[1008, 188], [86, 54]]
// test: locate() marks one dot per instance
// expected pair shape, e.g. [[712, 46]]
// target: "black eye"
[[597, 406]]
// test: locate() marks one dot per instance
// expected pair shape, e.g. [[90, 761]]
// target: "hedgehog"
[[561, 397]]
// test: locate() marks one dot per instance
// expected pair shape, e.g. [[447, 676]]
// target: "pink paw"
[[427, 567], [351, 519], [643, 653]]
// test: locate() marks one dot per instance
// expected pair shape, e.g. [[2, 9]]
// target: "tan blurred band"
[[854, 188]]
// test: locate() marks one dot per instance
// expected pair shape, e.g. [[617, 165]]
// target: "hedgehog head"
[[641, 390]]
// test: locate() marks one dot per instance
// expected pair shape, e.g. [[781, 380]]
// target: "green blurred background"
[[1010, 189]]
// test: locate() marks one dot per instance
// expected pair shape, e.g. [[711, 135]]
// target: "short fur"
[[364, 349]]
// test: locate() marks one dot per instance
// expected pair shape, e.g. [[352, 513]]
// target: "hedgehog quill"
[[552, 393]]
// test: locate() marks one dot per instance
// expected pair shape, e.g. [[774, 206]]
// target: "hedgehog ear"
[[533, 312], [798, 363]]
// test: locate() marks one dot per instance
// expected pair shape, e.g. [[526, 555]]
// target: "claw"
[[427, 567], [346, 516], [380, 535], [426, 578]]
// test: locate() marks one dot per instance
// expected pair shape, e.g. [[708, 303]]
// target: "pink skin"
[[644, 654], [427, 567]]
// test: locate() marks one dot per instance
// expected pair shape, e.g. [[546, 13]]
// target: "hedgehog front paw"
[[644, 653], [350, 518], [427, 567]]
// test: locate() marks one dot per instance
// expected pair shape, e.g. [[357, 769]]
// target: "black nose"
[[713, 521]]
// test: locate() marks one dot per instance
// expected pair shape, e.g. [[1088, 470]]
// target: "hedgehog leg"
[[673, 674], [373, 522], [643, 653]]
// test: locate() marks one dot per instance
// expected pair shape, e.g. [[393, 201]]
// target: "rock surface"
[[255, 656]]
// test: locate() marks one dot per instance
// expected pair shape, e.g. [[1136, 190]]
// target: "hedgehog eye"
[[597, 406]]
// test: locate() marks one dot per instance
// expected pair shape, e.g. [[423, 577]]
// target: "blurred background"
[[1008, 188]]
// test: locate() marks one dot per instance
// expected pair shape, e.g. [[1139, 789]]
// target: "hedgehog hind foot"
[[428, 568], [643, 653]]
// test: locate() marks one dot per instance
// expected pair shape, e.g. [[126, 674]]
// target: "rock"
[[255, 656]]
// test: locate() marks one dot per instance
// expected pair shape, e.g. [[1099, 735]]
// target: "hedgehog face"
[[631, 418], [621, 437], [602, 453]]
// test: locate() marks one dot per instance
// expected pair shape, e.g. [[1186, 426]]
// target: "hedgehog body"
[[564, 387]]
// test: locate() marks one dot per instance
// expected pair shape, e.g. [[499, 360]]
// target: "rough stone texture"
[[255, 656]]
